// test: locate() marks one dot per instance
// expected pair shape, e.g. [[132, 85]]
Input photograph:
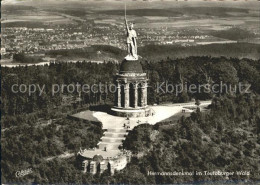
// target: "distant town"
[[37, 41], [36, 30]]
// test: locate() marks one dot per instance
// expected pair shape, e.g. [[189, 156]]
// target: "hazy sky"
[[117, 4], [16, 1]]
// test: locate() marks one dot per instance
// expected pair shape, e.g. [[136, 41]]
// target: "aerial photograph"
[[130, 92]]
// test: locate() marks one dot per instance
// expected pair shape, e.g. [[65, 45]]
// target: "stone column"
[[85, 166], [119, 95], [142, 95], [136, 95], [145, 94], [126, 95]]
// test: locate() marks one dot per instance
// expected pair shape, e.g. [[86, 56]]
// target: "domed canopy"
[[98, 158], [130, 66]]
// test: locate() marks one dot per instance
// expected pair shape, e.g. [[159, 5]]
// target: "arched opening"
[[109, 168], [122, 88], [139, 101], [88, 167], [131, 95], [98, 168]]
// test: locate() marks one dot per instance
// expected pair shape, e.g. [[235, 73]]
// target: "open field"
[[221, 25], [183, 14]]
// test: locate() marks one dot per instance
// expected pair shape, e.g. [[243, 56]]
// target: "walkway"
[[116, 127]]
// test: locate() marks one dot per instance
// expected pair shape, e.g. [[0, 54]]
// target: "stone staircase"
[[116, 130], [112, 134], [112, 139]]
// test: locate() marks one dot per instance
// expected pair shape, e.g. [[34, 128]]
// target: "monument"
[[131, 42], [131, 81], [130, 101]]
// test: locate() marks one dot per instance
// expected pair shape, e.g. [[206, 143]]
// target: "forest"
[[155, 53], [226, 138], [26, 59], [35, 129]]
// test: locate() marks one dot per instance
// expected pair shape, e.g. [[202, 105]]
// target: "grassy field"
[[172, 12]]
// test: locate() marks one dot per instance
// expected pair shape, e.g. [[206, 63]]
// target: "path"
[[116, 127]]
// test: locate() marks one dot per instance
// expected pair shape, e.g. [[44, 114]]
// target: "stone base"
[[130, 57], [131, 112]]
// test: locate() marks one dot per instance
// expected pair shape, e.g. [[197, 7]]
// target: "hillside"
[[95, 52], [225, 139], [208, 11], [158, 52], [239, 50]]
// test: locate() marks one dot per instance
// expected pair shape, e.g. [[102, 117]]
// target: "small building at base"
[[98, 164]]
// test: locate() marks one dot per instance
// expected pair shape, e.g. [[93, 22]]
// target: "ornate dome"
[[130, 66]]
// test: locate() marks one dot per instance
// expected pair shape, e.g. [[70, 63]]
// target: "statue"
[[131, 41]]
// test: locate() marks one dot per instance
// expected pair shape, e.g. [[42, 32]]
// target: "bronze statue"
[[131, 41]]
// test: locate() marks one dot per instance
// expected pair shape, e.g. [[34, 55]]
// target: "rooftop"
[[105, 154], [130, 66]]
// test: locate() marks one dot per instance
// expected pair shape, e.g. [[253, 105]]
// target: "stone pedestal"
[[134, 81]]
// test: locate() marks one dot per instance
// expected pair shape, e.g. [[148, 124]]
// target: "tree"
[[197, 102]]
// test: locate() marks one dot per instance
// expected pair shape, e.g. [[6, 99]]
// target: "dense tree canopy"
[[226, 137]]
